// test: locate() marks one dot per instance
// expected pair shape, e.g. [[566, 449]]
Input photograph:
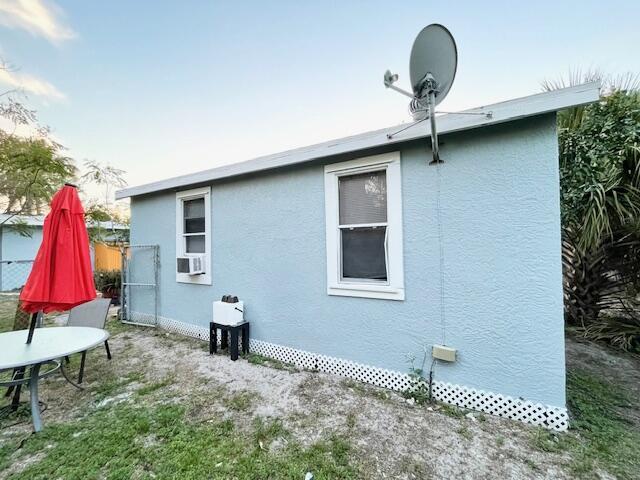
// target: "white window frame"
[[181, 197], [393, 288]]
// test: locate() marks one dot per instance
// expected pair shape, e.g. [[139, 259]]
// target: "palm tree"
[[599, 146]]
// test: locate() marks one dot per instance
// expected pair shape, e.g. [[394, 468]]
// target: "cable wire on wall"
[[443, 321]]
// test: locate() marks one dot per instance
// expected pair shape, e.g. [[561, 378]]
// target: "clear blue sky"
[[163, 88]]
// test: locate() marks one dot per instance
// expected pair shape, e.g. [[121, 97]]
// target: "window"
[[364, 228], [193, 227], [194, 222], [362, 203]]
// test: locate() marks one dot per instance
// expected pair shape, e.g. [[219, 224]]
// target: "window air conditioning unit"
[[191, 265]]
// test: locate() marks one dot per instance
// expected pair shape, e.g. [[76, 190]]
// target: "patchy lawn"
[[7, 310], [164, 408]]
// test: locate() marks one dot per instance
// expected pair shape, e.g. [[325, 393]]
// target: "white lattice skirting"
[[554, 418]]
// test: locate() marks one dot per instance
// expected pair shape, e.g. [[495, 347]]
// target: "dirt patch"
[[391, 437], [18, 465]]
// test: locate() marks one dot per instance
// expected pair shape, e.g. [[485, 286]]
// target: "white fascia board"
[[502, 112], [38, 221], [29, 220]]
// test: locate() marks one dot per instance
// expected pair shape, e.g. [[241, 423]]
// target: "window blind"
[[363, 198]]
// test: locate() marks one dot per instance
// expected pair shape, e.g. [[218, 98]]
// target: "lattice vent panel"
[[364, 373], [142, 318], [183, 328], [501, 405], [495, 404], [299, 358]]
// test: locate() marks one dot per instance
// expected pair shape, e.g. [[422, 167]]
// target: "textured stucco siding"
[[17, 247], [501, 234]]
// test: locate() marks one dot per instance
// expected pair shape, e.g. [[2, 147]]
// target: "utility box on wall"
[[442, 352]]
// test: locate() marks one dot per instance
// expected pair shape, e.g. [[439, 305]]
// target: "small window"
[[364, 228], [193, 218], [194, 225]]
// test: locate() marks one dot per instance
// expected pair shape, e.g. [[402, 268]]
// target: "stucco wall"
[[17, 247], [500, 219]]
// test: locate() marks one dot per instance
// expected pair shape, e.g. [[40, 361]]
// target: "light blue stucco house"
[[345, 266]]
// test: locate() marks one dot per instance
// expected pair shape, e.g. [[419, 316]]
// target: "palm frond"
[[620, 331]]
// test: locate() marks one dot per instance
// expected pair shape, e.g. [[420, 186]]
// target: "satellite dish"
[[432, 68], [434, 53]]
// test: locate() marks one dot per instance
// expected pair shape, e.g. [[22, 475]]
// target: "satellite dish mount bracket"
[[428, 88]]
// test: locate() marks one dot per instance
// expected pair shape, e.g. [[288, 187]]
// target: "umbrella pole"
[[32, 326]]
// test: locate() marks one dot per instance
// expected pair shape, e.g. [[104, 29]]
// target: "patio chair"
[[90, 314], [21, 321]]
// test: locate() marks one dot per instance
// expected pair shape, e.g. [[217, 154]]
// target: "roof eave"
[[497, 113]]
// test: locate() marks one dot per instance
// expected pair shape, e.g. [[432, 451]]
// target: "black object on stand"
[[242, 328]]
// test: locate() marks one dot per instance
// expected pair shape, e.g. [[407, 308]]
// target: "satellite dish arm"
[[399, 90], [390, 79]]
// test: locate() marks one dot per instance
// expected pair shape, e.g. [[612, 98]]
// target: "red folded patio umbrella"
[[61, 276]]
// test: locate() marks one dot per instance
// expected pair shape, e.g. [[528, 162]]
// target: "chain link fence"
[[13, 274]]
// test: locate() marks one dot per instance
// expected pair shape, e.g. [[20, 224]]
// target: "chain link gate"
[[140, 268]]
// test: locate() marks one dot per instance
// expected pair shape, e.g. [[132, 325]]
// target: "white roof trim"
[[38, 221], [454, 122]]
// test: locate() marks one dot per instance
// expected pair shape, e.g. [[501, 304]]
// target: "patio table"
[[49, 344]]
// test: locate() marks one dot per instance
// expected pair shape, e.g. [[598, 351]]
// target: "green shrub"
[[107, 279]]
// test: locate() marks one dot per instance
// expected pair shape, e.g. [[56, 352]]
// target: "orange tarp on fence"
[[107, 257]]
